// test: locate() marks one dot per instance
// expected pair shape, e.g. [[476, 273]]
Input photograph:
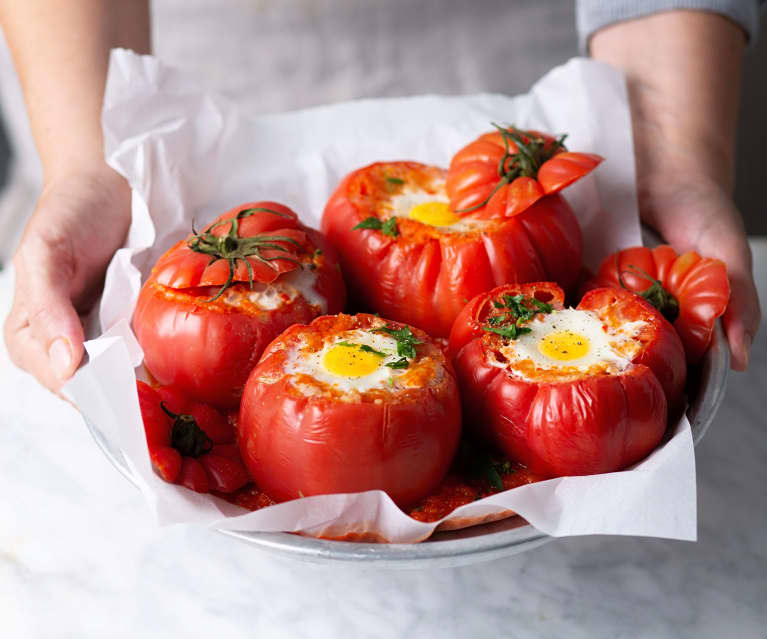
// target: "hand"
[[683, 77], [692, 212], [79, 222]]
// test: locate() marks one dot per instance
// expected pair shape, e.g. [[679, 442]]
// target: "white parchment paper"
[[189, 154]]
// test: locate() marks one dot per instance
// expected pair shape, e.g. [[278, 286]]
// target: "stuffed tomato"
[[568, 391], [216, 299], [350, 403], [408, 255], [691, 291]]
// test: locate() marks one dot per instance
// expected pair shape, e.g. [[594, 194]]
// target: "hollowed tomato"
[[406, 254], [568, 391], [349, 404]]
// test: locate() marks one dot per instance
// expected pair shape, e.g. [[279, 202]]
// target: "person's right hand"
[[79, 222]]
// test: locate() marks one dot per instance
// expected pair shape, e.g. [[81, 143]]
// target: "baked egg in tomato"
[[408, 254], [348, 404], [568, 391]]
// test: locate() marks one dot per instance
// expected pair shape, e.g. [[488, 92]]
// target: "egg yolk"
[[350, 361], [434, 214], [563, 346]]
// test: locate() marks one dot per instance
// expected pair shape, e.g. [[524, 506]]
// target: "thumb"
[[45, 276]]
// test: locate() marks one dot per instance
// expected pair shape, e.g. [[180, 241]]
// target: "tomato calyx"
[[658, 296], [532, 151], [518, 310], [186, 436], [231, 247]]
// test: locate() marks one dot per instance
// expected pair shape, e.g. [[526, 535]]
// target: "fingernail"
[[60, 355]]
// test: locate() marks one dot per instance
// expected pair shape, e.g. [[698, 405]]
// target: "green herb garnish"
[[512, 331], [519, 310], [479, 462], [369, 349], [388, 227], [392, 182], [406, 341], [400, 363], [363, 347]]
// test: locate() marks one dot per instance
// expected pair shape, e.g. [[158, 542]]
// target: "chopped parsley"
[[477, 461], [400, 363], [369, 349], [392, 182], [512, 331], [388, 227], [406, 341], [363, 347], [519, 309]]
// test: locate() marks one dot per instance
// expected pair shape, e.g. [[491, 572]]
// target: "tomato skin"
[[180, 267], [155, 420], [193, 476], [425, 278], [224, 473], [206, 349], [663, 352], [167, 462], [299, 445], [589, 424], [474, 175], [221, 469], [700, 286], [206, 352]]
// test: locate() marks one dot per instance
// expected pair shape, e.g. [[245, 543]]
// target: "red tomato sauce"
[[457, 489]]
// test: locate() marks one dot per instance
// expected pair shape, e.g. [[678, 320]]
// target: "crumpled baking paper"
[[190, 155]]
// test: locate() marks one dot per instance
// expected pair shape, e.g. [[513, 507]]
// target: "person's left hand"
[[683, 78], [692, 212]]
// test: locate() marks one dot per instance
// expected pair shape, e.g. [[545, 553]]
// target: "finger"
[[44, 277], [25, 351], [741, 320]]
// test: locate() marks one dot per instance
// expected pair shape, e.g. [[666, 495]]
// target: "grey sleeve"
[[591, 15]]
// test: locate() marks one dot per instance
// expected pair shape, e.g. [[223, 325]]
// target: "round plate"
[[706, 384], [469, 545]]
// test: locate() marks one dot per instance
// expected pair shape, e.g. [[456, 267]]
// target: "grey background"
[[751, 166]]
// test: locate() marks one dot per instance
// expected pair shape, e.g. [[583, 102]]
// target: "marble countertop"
[[80, 556]]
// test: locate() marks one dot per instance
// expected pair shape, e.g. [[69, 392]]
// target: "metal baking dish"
[[470, 545], [477, 543]]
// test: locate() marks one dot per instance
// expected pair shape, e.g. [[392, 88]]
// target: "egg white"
[[300, 361], [610, 346], [282, 291], [402, 203]]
